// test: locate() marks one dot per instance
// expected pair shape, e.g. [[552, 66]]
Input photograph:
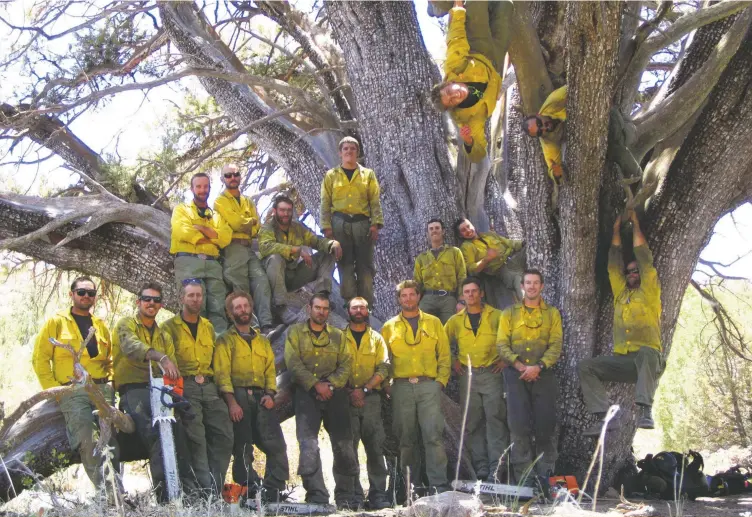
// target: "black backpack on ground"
[[733, 481], [661, 475]]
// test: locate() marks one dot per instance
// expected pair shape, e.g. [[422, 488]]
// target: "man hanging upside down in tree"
[[477, 42]]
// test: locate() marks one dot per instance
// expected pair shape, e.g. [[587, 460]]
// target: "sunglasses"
[[229, 175], [633, 270], [91, 293], [155, 299], [192, 281], [539, 125]]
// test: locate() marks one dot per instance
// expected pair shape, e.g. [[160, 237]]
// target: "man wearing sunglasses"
[[317, 358], [637, 333], [370, 368], [351, 214], [138, 341], [496, 260], [439, 272], [247, 379], [472, 338], [530, 337], [477, 41], [242, 267], [54, 367], [286, 247], [208, 437], [198, 233], [421, 361]]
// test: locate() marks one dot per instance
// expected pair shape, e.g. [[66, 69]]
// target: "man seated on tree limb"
[[637, 333], [477, 41], [548, 126]]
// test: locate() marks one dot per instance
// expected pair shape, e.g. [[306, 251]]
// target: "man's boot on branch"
[[645, 418], [595, 429]]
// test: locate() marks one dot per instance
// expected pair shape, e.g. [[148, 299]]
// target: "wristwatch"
[[541, 365], [365, 390]]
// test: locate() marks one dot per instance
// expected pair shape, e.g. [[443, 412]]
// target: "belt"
[[202, 256], [200, 379], [241, 240], [104, 380], [438, 292], [415, 380], [125, 388], [351, 218], [252, 389]]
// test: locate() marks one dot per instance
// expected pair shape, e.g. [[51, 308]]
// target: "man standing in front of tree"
[[439, 272], [637, 333], [198, 233], [316, 356], [351, 214], [530, 336], [54, 367], [247, 379], [472, 337], [208, 435], [421, 362], [138, 342], [369, 370], [242, 267]]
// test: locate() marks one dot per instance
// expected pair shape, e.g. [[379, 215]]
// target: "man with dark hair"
[[637, 333], [477, 41], [370, 369], [247, 379], [54, 367], [530, 337], [317, 358], [472, 337], [351, 214], [198, 233], [439, 272], [421, 361], [208, 437], [241, 265], [496, 260], [286, 249], [138, 342]]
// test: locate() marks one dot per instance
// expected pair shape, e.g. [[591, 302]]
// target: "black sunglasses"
[[539, 124], [633, 270], [91, 293], [155, 299], [189, 281], [229, 175]]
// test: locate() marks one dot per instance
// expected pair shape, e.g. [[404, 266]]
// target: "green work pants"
[[244, 272], [367, 425], [334, 413], [532, 415], [487, 431], [417, 412], [488, 26], [284, 277], [81, 427], [356, 268], [503, 287], [259, 426], [136, 402], [210, 274], [208, 437], [443, 307], [642, 368]]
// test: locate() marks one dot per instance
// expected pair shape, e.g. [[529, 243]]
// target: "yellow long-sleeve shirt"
[[530, 334], [555, 106], [239, 213], [131, 341], [423, 354], [54, 366], [367, 359], [238, 364], [637, 312], [184, 236], [476, 249], [360, 195], [445, 272], [194, 356], [272, 240], [463, 66], [311, 359], [480, 347]]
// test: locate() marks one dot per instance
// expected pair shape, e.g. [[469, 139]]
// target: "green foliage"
[[108, 45]]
